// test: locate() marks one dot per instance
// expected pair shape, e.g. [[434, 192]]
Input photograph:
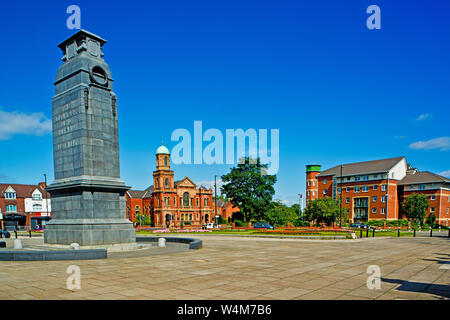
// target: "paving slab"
[[245, 268]]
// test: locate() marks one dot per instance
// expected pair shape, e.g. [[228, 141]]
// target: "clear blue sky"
[[337, 91]]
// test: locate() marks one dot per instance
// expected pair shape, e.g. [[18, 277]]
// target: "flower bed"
[[179, 230]]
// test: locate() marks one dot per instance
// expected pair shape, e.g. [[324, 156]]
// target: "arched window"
[[37, 206], [186, 199], [166, 183], [165, 161], [190, 217], [137, 209]]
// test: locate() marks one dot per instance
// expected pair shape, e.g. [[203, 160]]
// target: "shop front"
[[14, 221], [38, 220]]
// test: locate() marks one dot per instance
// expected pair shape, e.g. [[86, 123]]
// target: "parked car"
[[4, 234], [211, 225], [263, 225], [361, 226]]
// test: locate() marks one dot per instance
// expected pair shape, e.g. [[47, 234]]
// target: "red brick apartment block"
[[374, 190]]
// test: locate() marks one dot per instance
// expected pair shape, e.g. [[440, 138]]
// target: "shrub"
[[376, 223], [222, 220], [240, 223], [299, 223]]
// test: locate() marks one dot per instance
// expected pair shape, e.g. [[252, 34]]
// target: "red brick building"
[[168, 203], [23, 205], [226, 210], [374, 190]]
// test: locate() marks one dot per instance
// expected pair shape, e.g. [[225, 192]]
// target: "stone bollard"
[[18, 244], [75, 246], [161, 242]]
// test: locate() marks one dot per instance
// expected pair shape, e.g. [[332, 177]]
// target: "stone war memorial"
[[88, 196]]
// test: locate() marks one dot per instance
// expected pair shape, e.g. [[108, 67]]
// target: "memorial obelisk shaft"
[[88, 196]]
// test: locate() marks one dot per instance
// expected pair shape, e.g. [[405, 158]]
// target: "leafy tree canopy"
[[415, 207], [249, 189], [279, 214], [324, 210]]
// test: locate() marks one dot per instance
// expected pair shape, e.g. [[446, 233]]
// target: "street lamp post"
[[387, 196], [300, 211], [46, 195], [340, 202], [215, 199]]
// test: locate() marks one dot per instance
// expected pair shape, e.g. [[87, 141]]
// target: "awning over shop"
[[13, 216], [41, 214]]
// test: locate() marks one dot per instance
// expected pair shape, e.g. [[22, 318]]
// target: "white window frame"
[[8, 206], [10, 195]]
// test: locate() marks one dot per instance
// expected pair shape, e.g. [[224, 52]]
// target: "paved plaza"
[[248, 268]]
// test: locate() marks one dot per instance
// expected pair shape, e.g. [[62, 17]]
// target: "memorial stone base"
[[92, 216]]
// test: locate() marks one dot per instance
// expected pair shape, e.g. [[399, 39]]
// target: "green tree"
[[249, 188], [142, 220], [222, 220], [431, 220], [139, 219], [415, 207], [324, 210], [279, 214]]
